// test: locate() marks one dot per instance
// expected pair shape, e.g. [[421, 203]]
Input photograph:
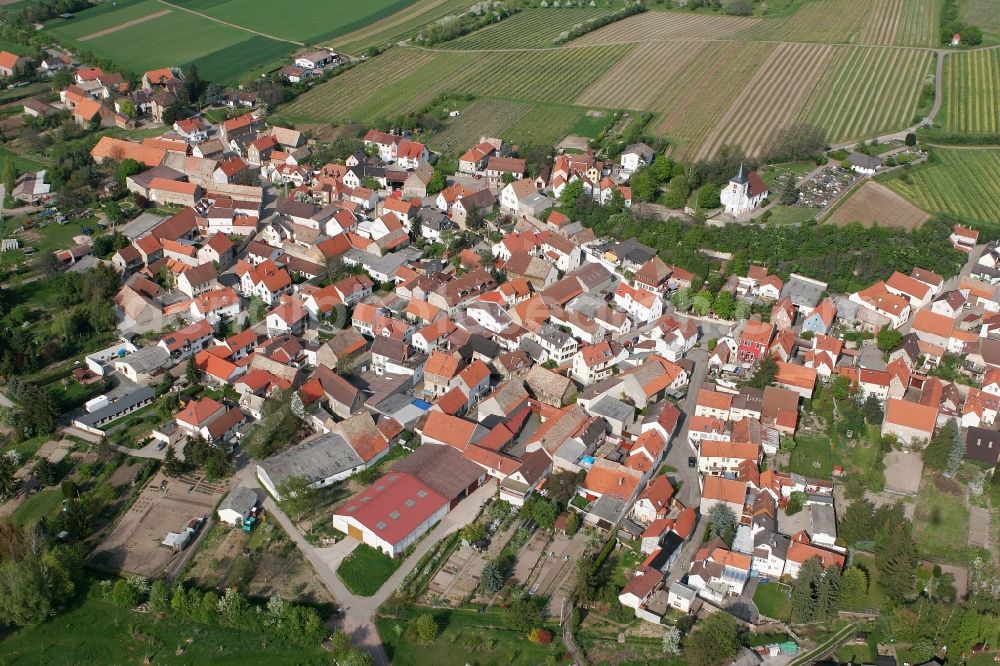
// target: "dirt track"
[[123, 26]]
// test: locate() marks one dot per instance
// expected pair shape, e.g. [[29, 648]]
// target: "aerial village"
[[471, 343]]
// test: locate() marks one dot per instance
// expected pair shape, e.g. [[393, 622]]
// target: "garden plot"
[[134, 544]]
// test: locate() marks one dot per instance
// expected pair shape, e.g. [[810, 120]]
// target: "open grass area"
[[365, 570], [984, 15], [312, 21], [773, 600], [530, 28], [941, 522], [813, 456], [143, 35], [963, 182], [96, 632], [466, 637], [867, 563], [33, 509], [792, 214]]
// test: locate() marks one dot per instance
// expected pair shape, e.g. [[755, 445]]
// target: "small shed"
[[237, 505]]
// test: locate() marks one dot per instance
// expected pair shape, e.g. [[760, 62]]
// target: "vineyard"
[[661, 26], [971, 92], [918, 23], [555, 75], [489, 117], [529, 28], [400, 25], [866, 91], [960, 182], [771, 99], [882, 23], [828, 21]]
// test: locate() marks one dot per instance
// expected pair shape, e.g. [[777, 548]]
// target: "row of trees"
[[36, 577]]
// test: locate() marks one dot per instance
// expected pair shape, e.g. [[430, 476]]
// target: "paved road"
[[359, 612]]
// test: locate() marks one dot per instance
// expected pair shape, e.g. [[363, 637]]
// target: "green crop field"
[[312, 21], [971, 92], [530, 28], [144, 35], [399, 26], [867, 91], [546, 124], [964, 182]]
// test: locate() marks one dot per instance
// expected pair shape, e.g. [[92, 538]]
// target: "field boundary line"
[[231, 25], [122, 26]]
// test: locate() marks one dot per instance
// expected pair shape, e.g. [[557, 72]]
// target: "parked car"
[[87, 231], [692, 461]]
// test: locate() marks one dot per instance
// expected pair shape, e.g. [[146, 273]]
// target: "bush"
[[540, 636]]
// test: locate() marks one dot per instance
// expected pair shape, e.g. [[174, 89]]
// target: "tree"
[[853, 589], [841, 387], [128, 167], [896, 559], [713, 642], [437, 182], [739, 7], [888, 338], [708, 197], [544, 512], [9, 176], [172, 465], [805, 591], [297, 496], [702, 302], [540, 636], [424, 628], [723, 521], [682, 299], [827, 594], [8, 482], [191, 370], [767, 370], [523, 613], [643, 185], [724, 305], [858, 522], [911, 139], [795, 503], [872, 409], [672, 641], [938, 451], [571, 193], [45, 472], [357, 657], [494, 575], [113, 211], [957, 453], [35, 585], [193, 84], [128, 108], [572, 523], [677, 192], [789, 192]]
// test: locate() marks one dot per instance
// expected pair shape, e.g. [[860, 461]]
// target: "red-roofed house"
[[909, 421]]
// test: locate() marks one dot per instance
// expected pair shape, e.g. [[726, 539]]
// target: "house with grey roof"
[[237, 505], [94, 421], [804, 292], [321, 459]]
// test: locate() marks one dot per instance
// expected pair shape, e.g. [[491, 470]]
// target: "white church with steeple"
[[743, 193]]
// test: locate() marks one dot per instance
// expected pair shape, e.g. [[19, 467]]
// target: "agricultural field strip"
[[415, 89], [489, 117], [529, 28], [961, 182], [883, 23], [972, 92], [866, 90], [329, 102], [399, 25], [545, 125], [827, 21], [771, 98], [918, 23], [662, 26], [84, 25], [874, 202], [639, 79], [715, 88], [125, 25]]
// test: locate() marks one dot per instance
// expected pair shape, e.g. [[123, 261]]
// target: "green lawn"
[[365, 570], [773, 601], [36, 507], [942, 524], [813, 456], [44, 239], [867, 562], [96, 632], [792, 214], [466, 637], [591, 126]]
